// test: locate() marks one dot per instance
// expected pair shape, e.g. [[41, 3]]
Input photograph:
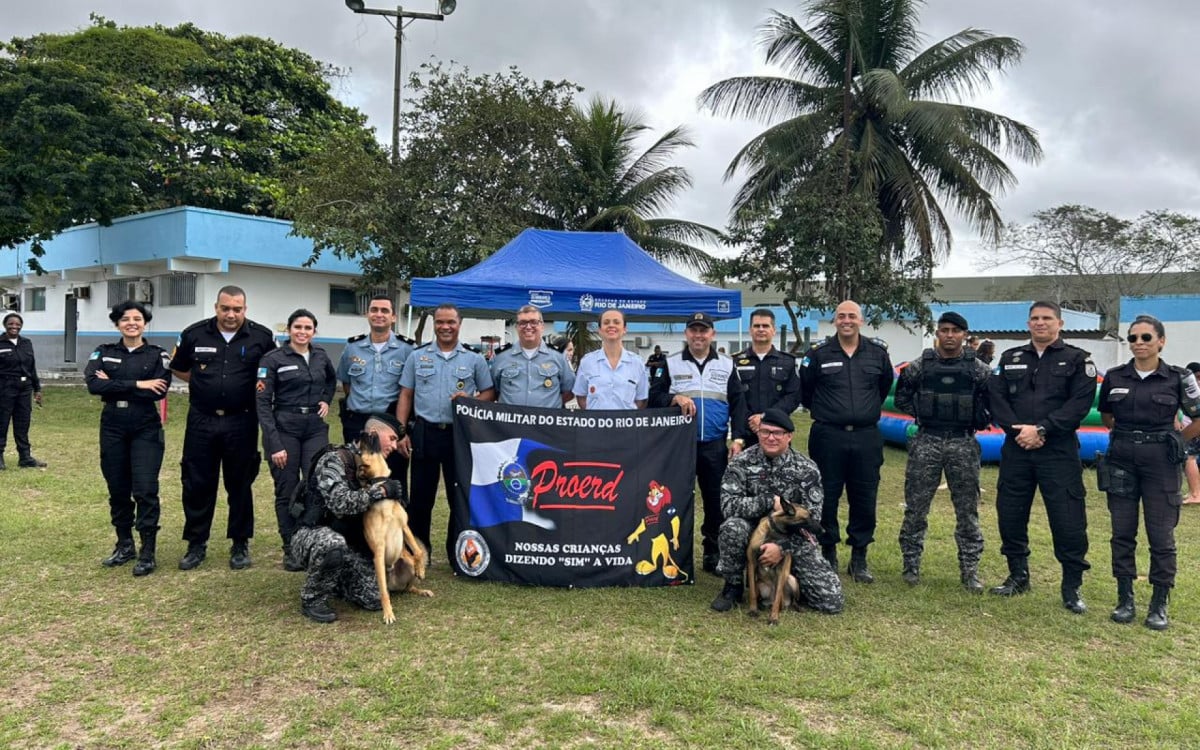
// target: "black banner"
[[555, 497]]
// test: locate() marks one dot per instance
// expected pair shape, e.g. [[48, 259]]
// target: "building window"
[[138, 290], [178, 289], [347, 301], [35, 299]]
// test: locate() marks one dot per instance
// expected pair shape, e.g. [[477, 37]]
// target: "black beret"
[[390, 421], [954, 319], [778, 418]]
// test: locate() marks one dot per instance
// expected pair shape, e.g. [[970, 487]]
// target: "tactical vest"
[[946, 399]]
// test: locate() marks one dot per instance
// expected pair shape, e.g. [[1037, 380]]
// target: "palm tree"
[[609, 187], [861, 91]]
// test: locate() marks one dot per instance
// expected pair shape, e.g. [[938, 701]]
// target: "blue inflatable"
[[896, 429]]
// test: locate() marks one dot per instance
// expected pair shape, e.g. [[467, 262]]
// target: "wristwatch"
[[1041, 431]]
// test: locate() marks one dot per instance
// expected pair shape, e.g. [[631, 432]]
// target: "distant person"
[[611, 377], [1039, 395], [19, 390], [986, 351], [131, 376], [296, 383], [218, 358], [531, 373], [369, 371], [656, 358], [844, 381], [434, 376], [1190, 469], [1138, 402]]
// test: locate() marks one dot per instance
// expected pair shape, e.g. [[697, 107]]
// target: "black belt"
[[946, 433], [18, 378], [221, 412], [1138, 436], [848, 427], [299, 409], [435, 425], [126, 404]]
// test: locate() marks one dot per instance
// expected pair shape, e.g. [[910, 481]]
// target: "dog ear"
[[786, 506], [369, 442]]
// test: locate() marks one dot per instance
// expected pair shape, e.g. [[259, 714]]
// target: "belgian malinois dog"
[[774, 582], [399, 558]]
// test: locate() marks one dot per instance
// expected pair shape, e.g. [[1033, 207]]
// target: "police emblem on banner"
[[515, 481], [472, 552]]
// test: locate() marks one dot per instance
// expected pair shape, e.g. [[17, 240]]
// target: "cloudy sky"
[[1100, 80]]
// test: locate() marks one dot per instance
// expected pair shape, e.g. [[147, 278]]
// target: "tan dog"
[[774, 582], [399, 558]]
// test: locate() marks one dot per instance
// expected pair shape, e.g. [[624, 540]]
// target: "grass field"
[[212, 658]]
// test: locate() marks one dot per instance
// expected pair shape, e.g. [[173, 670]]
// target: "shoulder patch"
[[1089, 368], [95, 355], [359, 337], [878, 342]]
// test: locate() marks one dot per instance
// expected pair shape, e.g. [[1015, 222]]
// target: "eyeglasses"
[[1146, 338], [528, 323], [771, 434]]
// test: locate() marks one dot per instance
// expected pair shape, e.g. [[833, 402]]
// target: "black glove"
[[393, 489]]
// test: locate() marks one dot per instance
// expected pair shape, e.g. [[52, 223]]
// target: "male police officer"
[[946, 390], [1039, 394], [19, 388], [369, 371], [218, 359], [768, 374], [533, 374], [757, 480], [434, 375], [844, 381], [703, 383]]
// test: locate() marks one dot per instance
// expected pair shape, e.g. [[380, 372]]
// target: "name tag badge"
[[1016, 367], [287, 368], [830, 364], [206, 350], [110, 359], [1119, 391]]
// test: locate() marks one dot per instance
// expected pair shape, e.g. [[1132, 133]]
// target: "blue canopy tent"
[[575, 276]]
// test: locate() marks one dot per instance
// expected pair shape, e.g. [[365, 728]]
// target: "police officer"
[[296, 384], [434, 375], [130, 376], [704, 384], [1138, 402], [369, 371], [844, 381], [329, 541], [611, 377], [768, 374], [218, 358], [19, 388], [534, 374], [946, 390], [757, 479], [1039, 394]]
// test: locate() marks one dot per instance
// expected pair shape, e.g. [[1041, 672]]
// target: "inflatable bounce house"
[[896, 427]]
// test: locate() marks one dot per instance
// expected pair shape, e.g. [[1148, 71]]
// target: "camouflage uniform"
[[338, 527], [953, 450], [748, 494]]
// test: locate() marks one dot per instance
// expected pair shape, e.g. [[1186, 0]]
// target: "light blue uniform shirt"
[[374, 377], [434, 378], [539, 381], [607, 388]]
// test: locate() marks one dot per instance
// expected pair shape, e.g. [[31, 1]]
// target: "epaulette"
[[471, 348], [359, 337], [504, 348], [426, 345], [878, 342], [254, 325], [822, 342], [407, 340]]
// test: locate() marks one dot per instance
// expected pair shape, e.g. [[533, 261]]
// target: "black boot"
[[146, 563], [829, 552], [970, 580], [1124, 612], [318, 610], [911, 572], [194, 556], [123, 552], [729, 597], [709, 562], [1072, 600], [27, 461], [1156, 618], [858, 566], [290, 563], [1017, 581]]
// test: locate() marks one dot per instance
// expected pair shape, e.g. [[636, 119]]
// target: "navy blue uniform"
[[18, 382], [845, 395], [290, 390], [1055, 392], [771, 382], [222, 424], [131, 434]]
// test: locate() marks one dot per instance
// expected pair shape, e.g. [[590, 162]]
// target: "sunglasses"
[[1145, 338]]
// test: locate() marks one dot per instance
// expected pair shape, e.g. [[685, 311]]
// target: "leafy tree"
[[480, 161], [222, 118], [71, 149], [858, 88], [1089, 259]]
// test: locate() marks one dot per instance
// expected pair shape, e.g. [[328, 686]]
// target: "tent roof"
[[575, 276]]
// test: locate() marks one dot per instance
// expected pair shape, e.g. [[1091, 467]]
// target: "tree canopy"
[[220, 120]]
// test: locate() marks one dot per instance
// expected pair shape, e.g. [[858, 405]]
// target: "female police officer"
[[130, 376], [295, 387], [1138, 402]]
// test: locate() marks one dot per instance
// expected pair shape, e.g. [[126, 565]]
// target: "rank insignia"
[[548, 382]]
